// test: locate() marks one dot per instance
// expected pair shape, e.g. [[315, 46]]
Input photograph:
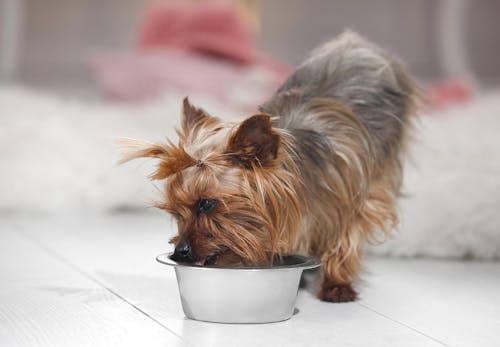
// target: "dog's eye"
[[206, 205]]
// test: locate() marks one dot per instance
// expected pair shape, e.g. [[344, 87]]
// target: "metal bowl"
[[240, 295]]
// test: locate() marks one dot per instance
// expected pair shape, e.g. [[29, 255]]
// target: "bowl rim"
[[307, 263]]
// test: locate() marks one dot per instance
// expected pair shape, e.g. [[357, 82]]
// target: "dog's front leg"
[[339, 270]]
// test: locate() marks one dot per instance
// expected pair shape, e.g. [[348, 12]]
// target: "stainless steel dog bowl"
[[239, 295]]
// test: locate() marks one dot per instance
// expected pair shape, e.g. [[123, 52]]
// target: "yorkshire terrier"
[[317, 171]]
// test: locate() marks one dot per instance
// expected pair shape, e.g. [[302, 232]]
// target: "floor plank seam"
[[59, 257], [403, 324]]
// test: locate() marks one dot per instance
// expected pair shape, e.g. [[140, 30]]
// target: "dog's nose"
[[182, 253]]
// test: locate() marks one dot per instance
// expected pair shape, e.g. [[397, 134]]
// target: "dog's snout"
[[183, 249], [183, 253]]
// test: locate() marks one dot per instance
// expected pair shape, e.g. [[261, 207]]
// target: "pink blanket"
[[193, 48]]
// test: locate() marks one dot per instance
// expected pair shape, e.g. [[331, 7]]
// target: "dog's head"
[[230, 187]]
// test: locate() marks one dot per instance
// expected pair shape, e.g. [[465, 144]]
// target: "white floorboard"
[[45, 302], [404, 303], [457, 303]]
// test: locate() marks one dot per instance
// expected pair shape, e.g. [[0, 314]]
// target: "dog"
[[316, 171]]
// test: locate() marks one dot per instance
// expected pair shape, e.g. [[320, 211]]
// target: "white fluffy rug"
[[56, 156], [452, 185]]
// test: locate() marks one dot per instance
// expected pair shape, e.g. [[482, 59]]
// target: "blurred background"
[[75, 74]]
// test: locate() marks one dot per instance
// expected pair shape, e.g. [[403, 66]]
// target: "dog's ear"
[[172, 158], [255, 142], [191, 116]]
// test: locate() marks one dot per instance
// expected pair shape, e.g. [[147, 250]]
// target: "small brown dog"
[[316, 172]]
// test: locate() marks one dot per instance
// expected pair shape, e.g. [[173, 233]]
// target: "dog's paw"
[[338, 293]]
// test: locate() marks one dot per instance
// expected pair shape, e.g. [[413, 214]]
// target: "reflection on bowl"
[[240, 295]]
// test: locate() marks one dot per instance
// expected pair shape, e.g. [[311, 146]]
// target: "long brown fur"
[[316, 172]]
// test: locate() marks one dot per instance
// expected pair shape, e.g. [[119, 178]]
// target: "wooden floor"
[[94, 282]]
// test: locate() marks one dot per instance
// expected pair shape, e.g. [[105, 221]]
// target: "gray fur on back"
[[357, 73]]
